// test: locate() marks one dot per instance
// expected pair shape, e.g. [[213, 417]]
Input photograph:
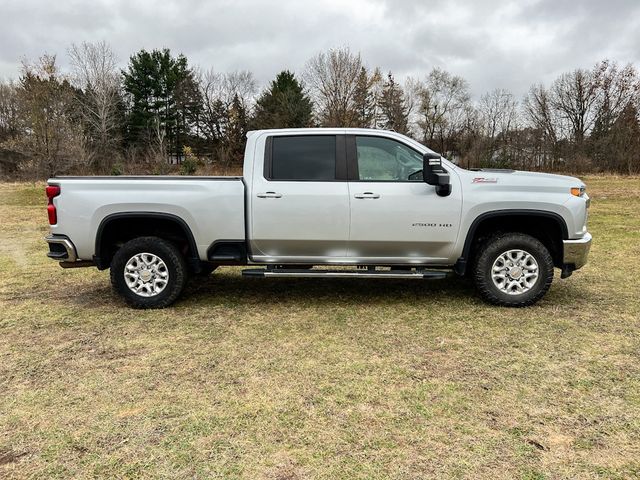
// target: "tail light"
[[52, 192]]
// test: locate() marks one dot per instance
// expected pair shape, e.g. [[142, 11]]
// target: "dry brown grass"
[[291, 379]]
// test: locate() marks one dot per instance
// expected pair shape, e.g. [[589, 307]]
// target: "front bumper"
[[576, 252]]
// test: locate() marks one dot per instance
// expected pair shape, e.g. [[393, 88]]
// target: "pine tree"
[[393, 106], [376, 86], [236, 129], [163, 99], [363, 101], [283, 105]]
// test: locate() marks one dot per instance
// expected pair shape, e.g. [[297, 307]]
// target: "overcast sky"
[[506, 44]]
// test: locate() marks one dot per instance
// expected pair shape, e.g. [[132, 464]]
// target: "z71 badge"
[[484, 180]]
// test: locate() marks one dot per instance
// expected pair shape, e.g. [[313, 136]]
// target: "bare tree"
[[218, 91], [9, 128], [9, 111], [498, 111], [412, 93], [572, 120], [625, 141], [52, 139], [444, 102], [547, 127], [241, 84], [618, 87], [575, 96], [157, 141], [333, 80], [497, 119], [97, 79], [213, 107], [539, 109]]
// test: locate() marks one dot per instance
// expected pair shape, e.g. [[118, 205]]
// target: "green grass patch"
[[305, 378]]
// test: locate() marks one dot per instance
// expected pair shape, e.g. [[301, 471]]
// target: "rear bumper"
[[576, 252], [61, 248]]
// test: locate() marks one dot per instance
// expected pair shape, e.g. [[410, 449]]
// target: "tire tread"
[[169, 254], [506, 241]]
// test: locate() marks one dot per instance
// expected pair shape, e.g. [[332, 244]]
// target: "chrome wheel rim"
[[515, 272], [146, 274]]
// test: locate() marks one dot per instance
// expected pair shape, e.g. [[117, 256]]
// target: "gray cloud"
[[492, 43]]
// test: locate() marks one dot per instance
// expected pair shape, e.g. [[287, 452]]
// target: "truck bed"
[[212, 207]]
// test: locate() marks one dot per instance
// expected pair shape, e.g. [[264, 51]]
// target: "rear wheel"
[[148, 272], [513, 270]]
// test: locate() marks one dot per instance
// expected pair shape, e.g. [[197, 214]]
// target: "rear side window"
[[303, 158]]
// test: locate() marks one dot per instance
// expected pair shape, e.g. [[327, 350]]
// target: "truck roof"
[[345, 131], [320, 130]]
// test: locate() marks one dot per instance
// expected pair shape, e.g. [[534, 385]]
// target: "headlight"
[[578, 191], [582, 193]]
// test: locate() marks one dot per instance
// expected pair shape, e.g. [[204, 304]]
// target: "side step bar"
[[225, 258], [295, 272]]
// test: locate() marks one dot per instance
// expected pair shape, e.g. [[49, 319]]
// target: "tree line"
[[160, 114]]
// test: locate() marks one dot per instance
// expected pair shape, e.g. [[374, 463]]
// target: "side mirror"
[[434, 174]]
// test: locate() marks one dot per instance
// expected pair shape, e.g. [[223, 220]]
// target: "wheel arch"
[[548, 227], [124, 226]]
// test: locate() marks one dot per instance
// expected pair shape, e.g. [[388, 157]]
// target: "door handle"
[[269, 195], [367, 195]]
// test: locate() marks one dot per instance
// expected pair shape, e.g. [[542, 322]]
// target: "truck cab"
[[346, 197]]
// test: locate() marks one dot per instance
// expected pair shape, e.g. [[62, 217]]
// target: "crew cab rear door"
[[396, 218], [300, 201]]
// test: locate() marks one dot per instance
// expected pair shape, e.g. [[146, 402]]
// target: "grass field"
[[345, 378]]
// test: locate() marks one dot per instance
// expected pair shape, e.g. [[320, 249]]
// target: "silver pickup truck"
[[325, 203]]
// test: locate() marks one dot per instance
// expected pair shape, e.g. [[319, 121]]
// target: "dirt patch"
[[7, 457]]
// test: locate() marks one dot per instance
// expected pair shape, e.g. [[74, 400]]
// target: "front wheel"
[[148, 272], [513, 270]]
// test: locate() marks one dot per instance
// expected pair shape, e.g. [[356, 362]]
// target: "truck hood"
[[534, 176], [521, 177]]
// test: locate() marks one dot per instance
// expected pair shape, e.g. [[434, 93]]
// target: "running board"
[[225, 258], [296, 272]]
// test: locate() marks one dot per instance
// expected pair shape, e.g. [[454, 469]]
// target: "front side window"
[[303, 158], [384, 159]]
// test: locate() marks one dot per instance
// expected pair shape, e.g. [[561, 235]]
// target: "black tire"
[[492, 249], [175, 266]]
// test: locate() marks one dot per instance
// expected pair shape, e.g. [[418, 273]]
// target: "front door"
[[300, 203], [396, 218]]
